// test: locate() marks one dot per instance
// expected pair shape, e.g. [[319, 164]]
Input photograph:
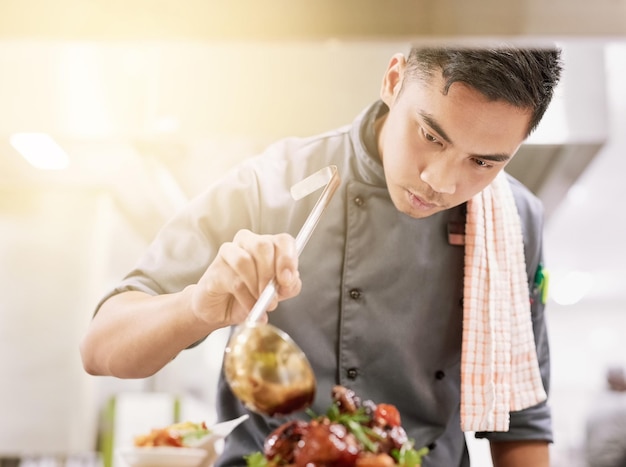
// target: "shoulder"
[[265, 178], [531, 213], [310, 146], [289, 160], [529, 206]]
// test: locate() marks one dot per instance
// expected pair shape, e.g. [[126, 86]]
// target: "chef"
[[419, 286]]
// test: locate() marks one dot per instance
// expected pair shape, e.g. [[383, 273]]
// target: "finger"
[[237, 274], [220, 294], [286, 260], [285, 292], [262, 250]]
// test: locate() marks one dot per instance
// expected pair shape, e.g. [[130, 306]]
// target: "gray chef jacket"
[[381, 304]]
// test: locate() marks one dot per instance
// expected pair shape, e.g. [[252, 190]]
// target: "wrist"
[[201, 315]]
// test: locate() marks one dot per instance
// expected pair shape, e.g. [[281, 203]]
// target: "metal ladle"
[[264, 367]]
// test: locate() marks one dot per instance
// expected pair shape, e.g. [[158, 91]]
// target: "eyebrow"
[[431, 122]]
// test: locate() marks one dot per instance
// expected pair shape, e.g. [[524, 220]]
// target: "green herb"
[[256, 459], [194, 435], [355, 424], [407, 456], [334, 415], [361, 433]]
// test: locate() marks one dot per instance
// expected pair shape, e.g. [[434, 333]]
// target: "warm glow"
[[40, 150]]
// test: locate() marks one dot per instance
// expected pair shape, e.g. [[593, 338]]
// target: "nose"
[[440, 175]]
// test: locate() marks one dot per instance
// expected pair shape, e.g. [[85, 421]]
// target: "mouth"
[[420, 203]]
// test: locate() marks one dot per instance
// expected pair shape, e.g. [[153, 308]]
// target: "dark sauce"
[[292, 404], [276, 400]]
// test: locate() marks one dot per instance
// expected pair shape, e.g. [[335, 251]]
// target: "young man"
[[377, 298]]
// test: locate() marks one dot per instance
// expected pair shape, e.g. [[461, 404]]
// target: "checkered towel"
[[499, 368]]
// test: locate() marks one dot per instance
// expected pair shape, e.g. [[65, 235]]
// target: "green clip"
[[541, 283]]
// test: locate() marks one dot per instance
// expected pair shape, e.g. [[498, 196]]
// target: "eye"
[[428, 137], [483, 164]]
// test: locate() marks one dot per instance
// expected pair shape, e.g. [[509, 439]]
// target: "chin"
[[421, 214]]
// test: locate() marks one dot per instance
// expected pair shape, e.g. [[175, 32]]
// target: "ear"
[[392, 81]]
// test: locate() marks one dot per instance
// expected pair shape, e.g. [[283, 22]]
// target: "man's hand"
[[240, 272]]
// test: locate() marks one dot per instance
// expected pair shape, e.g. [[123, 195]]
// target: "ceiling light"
[[40, 150]]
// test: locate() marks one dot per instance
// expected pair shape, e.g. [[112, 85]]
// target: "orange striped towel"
[[499, 368]]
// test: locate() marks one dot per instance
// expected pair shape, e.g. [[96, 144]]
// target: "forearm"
[[134, 334], [520, 453]]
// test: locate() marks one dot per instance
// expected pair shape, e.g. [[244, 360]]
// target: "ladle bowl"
[[268, 371], [265, 368]]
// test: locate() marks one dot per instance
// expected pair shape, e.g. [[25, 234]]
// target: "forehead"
[[468, 117], [433, 79]]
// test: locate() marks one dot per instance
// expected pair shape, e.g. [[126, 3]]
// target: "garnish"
[[407, 456], [256, 459], [355, 422]]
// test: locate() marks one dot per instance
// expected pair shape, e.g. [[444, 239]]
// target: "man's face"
[[440, 150]]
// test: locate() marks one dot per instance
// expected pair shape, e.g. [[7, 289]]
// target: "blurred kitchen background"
[[150, 100]]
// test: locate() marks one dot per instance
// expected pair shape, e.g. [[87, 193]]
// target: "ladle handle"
[[302, 238]]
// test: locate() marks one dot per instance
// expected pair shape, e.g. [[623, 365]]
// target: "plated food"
[[186, 444], [352, 433], [184, 434]]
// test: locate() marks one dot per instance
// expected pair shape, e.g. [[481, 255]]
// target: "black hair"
[[523, 77]]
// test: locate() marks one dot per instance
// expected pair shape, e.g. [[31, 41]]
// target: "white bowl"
[[163, 456]]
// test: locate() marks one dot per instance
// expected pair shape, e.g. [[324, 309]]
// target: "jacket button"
[[358, 201], [352, 373], [440, 374], [355, 294]]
